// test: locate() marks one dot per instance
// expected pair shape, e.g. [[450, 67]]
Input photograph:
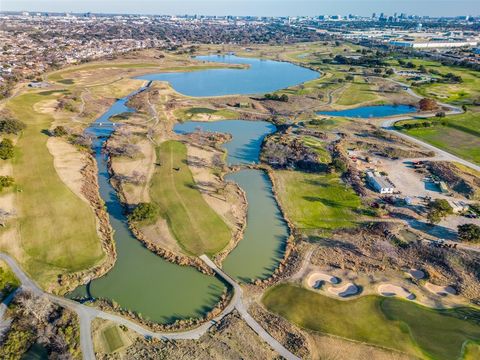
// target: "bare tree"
[[33, 307]]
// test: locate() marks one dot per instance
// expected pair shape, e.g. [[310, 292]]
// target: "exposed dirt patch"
[[68, 162]]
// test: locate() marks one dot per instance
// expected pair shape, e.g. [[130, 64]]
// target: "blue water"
[[247, 137], [366, 112], [162, 291], [262, 76]]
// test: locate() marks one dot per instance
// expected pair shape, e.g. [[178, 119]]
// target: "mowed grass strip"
[[457, 142], [317, 201], [58, 230], [113, 339], [387, 322], [197, 228]]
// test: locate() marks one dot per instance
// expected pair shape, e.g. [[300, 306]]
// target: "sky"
[[250, 7]]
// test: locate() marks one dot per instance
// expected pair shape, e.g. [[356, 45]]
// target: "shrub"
[[11, 126], [339, 165], [469, 232], [59, 131], [438, 209], [6, 181], [144, 212], [6, 149]]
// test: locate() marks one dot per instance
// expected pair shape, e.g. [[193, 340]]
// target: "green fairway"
[[357, 93], [317, 201], [112, 339], [462, 93], [197, 228], [458, 142], [388, 322], [57, 229], [200, 113], [8, 281]]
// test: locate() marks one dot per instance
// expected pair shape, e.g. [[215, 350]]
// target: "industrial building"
[[380, 183]]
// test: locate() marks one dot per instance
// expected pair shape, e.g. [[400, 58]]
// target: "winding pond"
[[261, 76], [366, 112], [159, 290], [262, 246]]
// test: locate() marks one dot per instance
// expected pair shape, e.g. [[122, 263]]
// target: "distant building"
[[380, 183], [433, 44]]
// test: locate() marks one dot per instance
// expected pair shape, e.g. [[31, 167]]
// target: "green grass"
[[457, 142], [387, 322], [66, 81], [317, 201], [439, 333], [113, 339], [319, 147], [471, 351], [57, 229], [357, 93], [463, 93], [8, 281], [197, 228], [194, 112]]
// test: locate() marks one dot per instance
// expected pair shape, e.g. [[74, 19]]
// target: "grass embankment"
[[356, 93], [317, 201], [458, 134], [8, 281], [197, 228], [57, 229], [387, 322], [202, 113]]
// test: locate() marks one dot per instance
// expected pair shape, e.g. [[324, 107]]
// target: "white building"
[[433, 44], [380, 183]]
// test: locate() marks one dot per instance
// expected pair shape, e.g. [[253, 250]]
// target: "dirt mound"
[[458, 180]]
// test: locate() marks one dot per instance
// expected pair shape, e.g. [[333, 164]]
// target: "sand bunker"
[[348, 289], [394, 290], [440, 290], [416, 274], [315, 279]]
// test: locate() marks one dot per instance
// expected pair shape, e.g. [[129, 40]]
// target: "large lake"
[[366, 112], [161, 291], [261, 76]]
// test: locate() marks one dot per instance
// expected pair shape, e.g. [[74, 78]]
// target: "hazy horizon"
[[250, 7]]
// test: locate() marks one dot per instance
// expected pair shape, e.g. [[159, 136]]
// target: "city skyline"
[[250, 7]]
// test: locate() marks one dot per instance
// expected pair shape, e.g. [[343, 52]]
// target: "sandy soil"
[[143, 164], [159, 234], [315, 279], [346, 290], [440, 290], [68, 162], [394, 290], [228, 204]]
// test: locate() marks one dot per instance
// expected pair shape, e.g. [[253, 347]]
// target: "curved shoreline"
[[91, 191]]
